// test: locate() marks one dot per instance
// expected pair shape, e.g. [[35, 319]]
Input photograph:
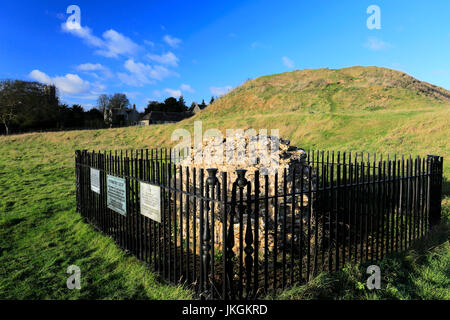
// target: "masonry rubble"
[[268, 155]]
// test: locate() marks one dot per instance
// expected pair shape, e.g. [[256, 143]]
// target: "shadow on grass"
[[421, 272], [445, 187]]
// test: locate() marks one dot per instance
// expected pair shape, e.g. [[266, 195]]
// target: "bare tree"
[[7, 114], [110, 104], [7, 103], [103, 104], [119, 101]]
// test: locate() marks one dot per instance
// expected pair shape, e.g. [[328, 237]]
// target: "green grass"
[[41, 234], [423, 272]]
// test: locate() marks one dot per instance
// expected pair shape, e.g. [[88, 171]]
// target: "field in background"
[[41, 234]]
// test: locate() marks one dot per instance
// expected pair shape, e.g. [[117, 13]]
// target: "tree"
[[93, 118], [110, 106], [119, 101], [7, 114], [27, 104], [171, 105], [154, 106], [103, 102], [212, 100], [181, 104], [7, 109], [65, 116], [203, 104], [77, 116]]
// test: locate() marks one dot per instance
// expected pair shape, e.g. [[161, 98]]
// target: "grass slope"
[[353, 109], [423, 272], [41, 235]]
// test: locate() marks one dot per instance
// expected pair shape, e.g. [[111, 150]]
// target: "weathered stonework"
[[289, 159]]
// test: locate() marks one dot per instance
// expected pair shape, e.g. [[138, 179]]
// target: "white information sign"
[[116, 194], [151, 201], [95, 180]]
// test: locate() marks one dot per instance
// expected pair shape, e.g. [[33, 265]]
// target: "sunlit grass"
[[422, 272], [41, 234]]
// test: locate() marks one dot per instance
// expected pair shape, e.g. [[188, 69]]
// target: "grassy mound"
[[353, 109]]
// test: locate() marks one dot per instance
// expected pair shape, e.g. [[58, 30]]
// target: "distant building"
[[159, 117], [122, 116], [132, 116], [195, 108]]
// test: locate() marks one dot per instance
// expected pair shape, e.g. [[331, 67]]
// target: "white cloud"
[[167, 59], [40, 76], [133, 94], [71, 84], [117, 44], [149, 43], [129, 80], [141, 73], [112, 45], [147, 71], [88, 97], [220, 91], [98, 88], [288, 62], [174, 93], [172, 41], [68, 84], [90, 67], [84, 33], [375, 44], [186, 88]]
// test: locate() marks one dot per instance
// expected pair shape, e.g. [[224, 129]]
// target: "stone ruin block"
[[289, 158]]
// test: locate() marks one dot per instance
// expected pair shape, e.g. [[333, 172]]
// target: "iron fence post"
[[435, 188], [241, 183], [229, 244], [77, 177], [211, 181]]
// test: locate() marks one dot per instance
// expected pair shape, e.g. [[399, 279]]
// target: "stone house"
[[159, 117], [195, 108], [122, 116]]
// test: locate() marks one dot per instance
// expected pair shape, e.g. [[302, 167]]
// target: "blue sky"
[[151, 50]]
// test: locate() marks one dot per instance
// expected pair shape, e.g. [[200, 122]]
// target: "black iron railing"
[[244, 237]]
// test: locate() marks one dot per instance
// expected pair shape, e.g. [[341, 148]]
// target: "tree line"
[[30, 106], [173, 105]]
